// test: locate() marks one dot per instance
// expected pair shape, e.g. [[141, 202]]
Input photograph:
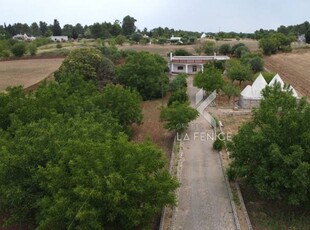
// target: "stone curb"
[[233, 206], [243, 207]]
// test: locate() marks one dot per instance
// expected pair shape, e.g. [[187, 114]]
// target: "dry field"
[[163, 50], [294, 68], [26, 72]]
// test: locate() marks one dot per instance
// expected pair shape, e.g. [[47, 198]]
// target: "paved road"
[[203, 197]]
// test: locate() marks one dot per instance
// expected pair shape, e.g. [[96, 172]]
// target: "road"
[[203, 197]]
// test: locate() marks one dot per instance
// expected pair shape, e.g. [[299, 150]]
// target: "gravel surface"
[[203, 197]]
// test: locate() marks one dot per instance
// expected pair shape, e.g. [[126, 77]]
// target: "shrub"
[[58, 46], [240, 51], [5, 53], [32, 48], [19, 49], [224, 49], [218, 144], [182, 52], [231, 173], [178, 82], [234, 47], [179, 95]]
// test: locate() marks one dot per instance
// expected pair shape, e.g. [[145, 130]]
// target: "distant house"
[[203, 35], [302, 38], [191, 64], [174, 39], [59, 38], [23, 37]]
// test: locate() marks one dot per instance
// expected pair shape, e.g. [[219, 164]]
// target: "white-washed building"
[[191, 64], [252, 94], [59, 38]]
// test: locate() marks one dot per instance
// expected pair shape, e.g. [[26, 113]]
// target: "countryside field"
[[294, 68], [26, 72]]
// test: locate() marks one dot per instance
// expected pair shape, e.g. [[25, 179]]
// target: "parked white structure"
[[174, 39], [59, 38], [251, 95], [24, 37], [191, 64], [203, 35]]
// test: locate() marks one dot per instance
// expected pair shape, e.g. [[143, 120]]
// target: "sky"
[[192, 15]]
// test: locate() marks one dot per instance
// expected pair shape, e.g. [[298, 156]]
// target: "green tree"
[[182, 52], [237, 71], [209, 80], [234, 47], [89, 62], [269, 45], [177, 116], [72, 174], [179, 95], [19, 49], [271, 152], [144, 72], [230, 90], [209, 48], [56, 29], [34, 28], [43, 28], [225, 49], [32, 48], [240, 51], [254, 60], [120, 39], [178, 82], [124, 104], [128, 25], [136, 37]]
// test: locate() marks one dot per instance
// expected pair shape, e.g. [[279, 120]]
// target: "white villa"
[[191, 64], [252, 94], [59, 38]]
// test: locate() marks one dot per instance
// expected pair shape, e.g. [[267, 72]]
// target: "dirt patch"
[[26, 72], [152, 128], [294, 68]]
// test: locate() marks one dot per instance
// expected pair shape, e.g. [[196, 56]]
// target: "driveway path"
[[203, 197]]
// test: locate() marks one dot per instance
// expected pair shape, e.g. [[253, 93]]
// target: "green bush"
[[32, 48], [218, 144], [182, 52], [231, 174], [225, 49], [5, 53], [58, 46], [19, 49], [179, 95]]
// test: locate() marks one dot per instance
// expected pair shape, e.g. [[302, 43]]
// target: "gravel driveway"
[[203, 197]]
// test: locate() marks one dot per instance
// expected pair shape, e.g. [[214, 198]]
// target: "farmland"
[[294, 68], [26, 72]]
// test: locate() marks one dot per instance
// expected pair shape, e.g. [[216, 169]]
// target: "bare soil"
[[26, 72], [294, 68], [152, 128]]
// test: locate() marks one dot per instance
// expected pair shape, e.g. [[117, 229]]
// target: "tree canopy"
[[144, 72], [237, 71], [271, 152], [67, 164], [209, 80], [89, 62]]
